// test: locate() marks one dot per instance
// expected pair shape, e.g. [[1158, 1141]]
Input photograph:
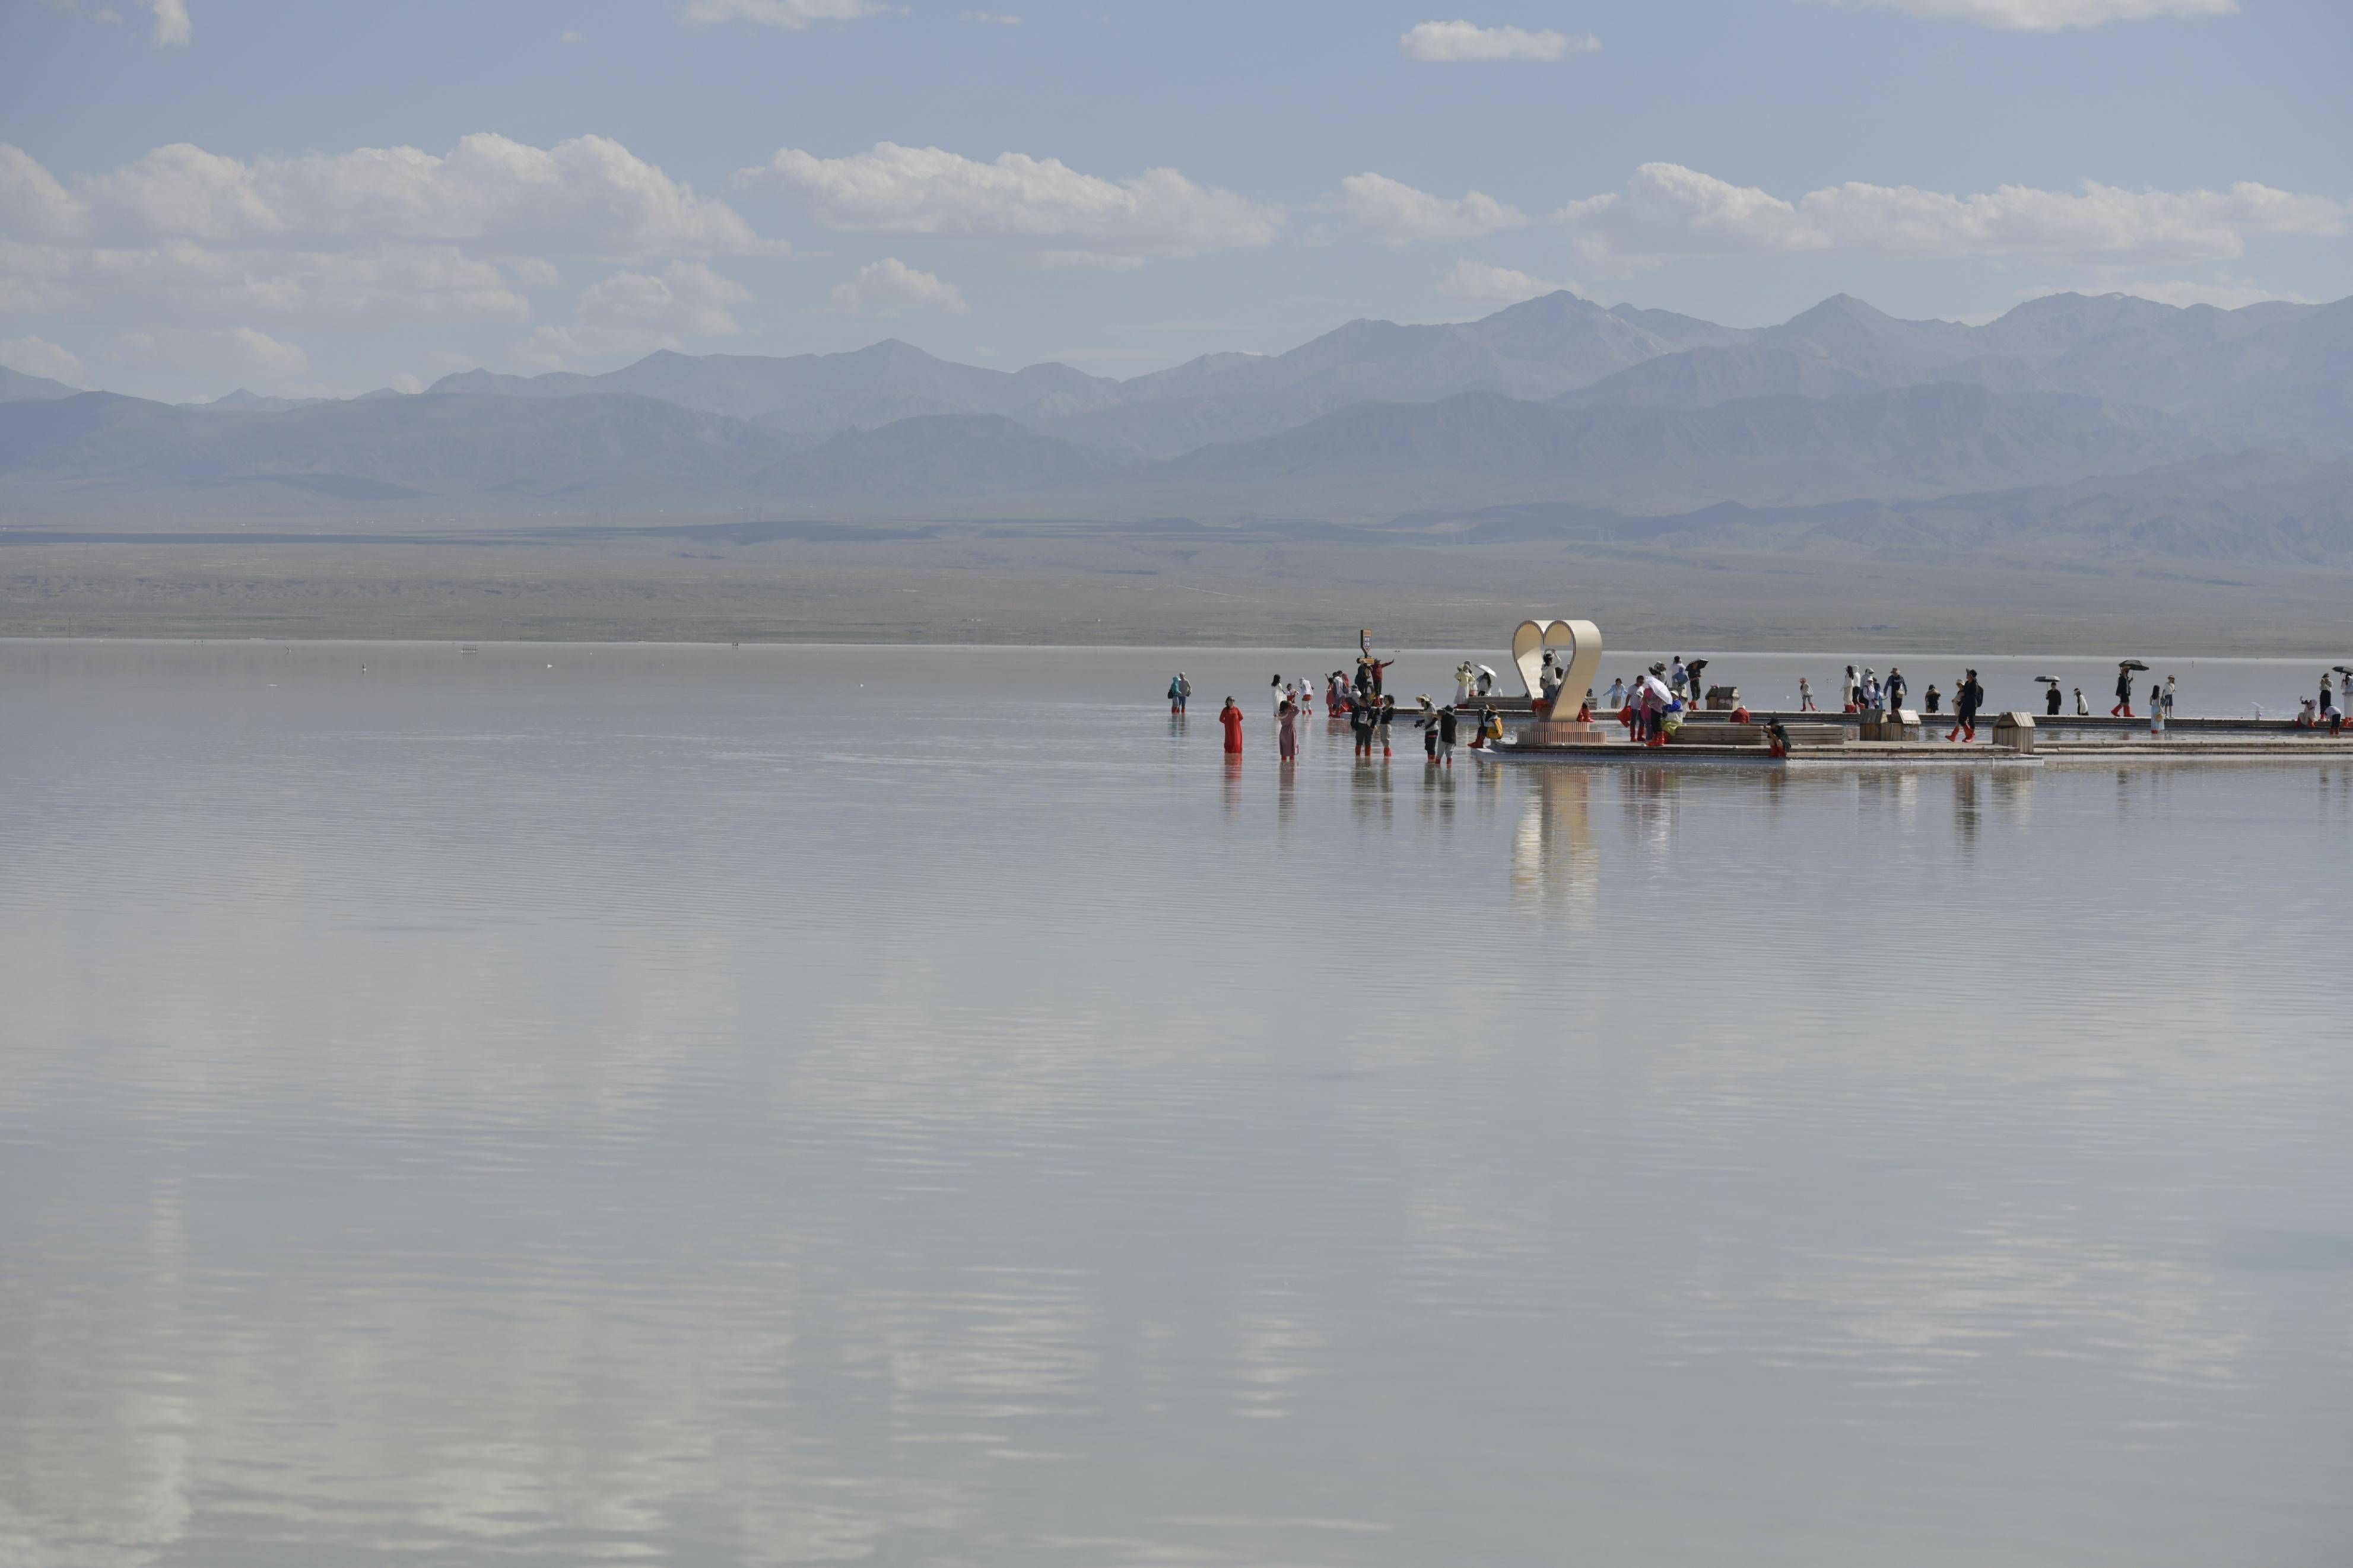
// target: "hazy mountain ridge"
[[1552, 402]]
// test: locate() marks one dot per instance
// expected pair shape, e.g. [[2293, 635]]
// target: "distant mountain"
[[947, 458], [2274, 506], [1908, 441], [16, 386], [593, 451], [1554, 403], [243, 401], [818, 393]]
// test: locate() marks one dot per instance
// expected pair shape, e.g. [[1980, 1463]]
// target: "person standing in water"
[[1286, 732], [1360, 724], [1387, 711], [1179, 690], [1446, 737], [1230, 716]]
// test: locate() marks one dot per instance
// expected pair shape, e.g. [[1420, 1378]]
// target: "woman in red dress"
[[1232, 717]]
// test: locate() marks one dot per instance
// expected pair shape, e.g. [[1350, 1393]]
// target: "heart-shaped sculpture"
[[1583, 640]]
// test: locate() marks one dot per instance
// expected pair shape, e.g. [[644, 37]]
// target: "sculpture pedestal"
[[1562, 732]]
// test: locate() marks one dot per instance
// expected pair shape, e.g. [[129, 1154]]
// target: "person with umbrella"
[[1966, 700], [2124, 687], [2050, 698]]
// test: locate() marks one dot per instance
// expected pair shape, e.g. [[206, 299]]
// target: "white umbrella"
[[1657, 688]]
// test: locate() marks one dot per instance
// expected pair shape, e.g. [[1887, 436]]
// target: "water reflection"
[[464, 1119], [1555, 865]]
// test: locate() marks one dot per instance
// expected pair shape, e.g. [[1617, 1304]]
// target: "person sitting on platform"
[[1934, 699]]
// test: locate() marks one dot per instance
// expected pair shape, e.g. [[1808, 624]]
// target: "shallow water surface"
[[713, 1106]]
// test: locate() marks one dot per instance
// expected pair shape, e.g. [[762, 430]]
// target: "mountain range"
[[1558, 402]]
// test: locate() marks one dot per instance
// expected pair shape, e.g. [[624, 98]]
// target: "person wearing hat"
[[1966, 704], [2124, 692]]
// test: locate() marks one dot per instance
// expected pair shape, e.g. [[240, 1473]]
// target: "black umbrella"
[[2130, 663], [2048, 680]]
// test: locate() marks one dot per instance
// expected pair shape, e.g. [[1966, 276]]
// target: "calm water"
[[712, 1107]]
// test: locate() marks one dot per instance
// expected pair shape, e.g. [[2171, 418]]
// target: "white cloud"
[[634, 313], [406, 385], [991, 16], [889, 286], [173, 28], [239, 353], [789, 15], [38, 356], [185, 237], [181, 281], [1396, 214], [1020, 199], [1478, 283], [1668, 210], [1085, 261], [2050, 15], [687, 300], [494, 195], [1452, 42]]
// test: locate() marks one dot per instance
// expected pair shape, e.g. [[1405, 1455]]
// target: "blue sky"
[[200, 194]]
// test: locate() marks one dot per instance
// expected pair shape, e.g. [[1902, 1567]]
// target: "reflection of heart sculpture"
[[1583, 640]]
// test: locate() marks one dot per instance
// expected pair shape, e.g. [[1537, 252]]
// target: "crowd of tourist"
[[1651, 706]]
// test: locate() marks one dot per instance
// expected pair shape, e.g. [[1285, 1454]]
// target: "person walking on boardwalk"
[[1806, 696], [1966, 704], [1898, 689], [2124, 692], [1230, 716], [1286, 732], [2083, 709]]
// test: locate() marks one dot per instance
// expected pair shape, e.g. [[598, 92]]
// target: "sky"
[[320, 199]]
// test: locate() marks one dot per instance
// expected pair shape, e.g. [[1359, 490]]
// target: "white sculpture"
[[1577, 672]]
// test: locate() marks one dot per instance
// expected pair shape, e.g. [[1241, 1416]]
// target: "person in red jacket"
[[1232, 717]]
